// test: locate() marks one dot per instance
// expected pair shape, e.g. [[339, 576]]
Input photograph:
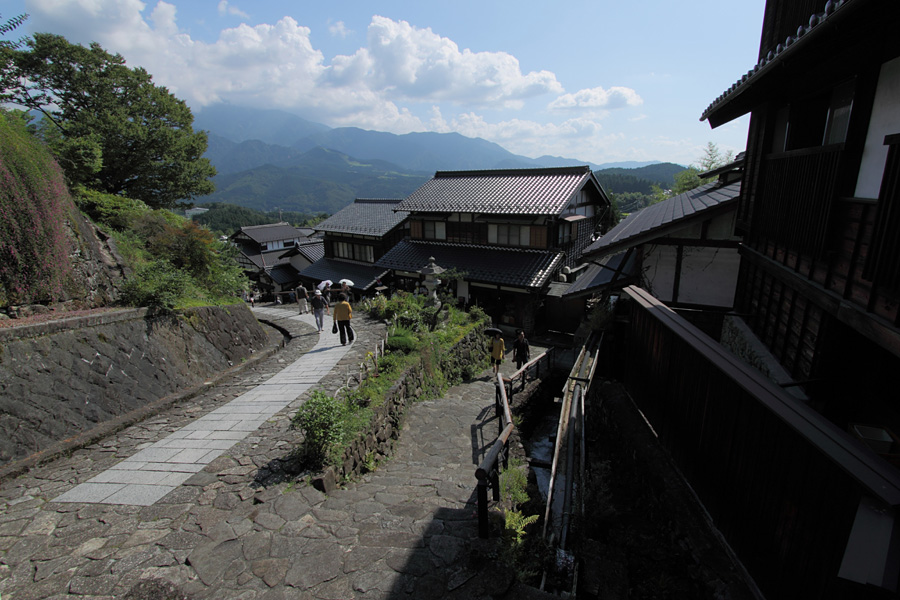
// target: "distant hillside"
[[425, 152], [273, 159], [321, 180], [662, 173], [240, 124]]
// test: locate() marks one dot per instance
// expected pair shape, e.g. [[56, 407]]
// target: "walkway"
[[407, 530], [158, 469]]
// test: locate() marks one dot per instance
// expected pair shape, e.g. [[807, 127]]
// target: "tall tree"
[[112, 127]]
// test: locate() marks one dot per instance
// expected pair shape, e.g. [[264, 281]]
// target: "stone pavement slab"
[[190, 444], [242, 527]]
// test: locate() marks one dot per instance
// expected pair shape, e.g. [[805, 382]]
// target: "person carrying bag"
[[342, 315]]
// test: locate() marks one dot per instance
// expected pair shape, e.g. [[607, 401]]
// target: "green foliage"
[[321, 419], [112, 128], [163, 249], [225, 219], [513, 484], [11, 25], [34, 207], [402, 340], [156, 285], [335, 423], [686, 180], [630, 202], [115, 212]]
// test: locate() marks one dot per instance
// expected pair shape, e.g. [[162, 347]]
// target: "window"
[[509, 235], [358, 252], [434, 230], [820, 120]]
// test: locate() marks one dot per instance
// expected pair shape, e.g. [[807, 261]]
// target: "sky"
[[597, 80]]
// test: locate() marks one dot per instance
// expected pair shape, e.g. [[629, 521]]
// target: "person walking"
[[521, 350], [302, 299], [498, 348], [320, 309], [342, 315]]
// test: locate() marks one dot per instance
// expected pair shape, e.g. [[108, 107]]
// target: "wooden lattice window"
[[883, 260]]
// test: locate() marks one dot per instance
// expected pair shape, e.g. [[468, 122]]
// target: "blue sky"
[[597, 80]]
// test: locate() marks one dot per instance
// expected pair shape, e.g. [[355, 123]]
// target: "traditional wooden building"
[[682, 250], [506, 234], [265, 254], [355, 238], [820, 209], [805, 491]]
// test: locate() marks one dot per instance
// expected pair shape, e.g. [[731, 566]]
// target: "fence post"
[[483, 526], [495, 481]]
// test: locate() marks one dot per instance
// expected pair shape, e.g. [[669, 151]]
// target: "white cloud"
[[339, 29], [613, 98], [416, 64], [401, 81], [225, 8]]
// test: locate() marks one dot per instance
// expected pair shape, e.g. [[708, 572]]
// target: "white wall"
[[885, 121]]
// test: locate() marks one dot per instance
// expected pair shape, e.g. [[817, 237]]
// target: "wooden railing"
[[488, 472]]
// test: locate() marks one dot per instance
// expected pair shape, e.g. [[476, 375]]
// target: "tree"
[[690, 177], [111, 127], [9, 26]]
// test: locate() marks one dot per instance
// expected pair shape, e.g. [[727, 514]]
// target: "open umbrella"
[[492, 331], [324, 284], [347, 281]]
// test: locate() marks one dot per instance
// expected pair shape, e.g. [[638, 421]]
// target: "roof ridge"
[[573, 170]]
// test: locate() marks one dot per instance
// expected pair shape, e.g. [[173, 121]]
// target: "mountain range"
[[271, 159]]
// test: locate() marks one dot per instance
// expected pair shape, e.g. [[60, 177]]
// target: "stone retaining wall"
[[62, 378], [377, 442]]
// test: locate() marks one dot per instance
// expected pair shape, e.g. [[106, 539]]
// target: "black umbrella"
[[492, 331]]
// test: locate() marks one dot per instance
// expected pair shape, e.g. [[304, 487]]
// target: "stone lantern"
[[431, 272]]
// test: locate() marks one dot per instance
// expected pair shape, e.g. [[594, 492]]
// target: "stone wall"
[[62, 378], [377, 442]]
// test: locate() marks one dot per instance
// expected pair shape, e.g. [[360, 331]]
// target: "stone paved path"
[[162, 466], [407, 530]]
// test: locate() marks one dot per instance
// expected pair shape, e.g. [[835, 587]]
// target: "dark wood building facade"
[[806, 489]]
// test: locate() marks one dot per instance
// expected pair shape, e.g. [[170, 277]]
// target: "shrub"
[[115, 212], [156, 285], [320, 419], [402, 340]]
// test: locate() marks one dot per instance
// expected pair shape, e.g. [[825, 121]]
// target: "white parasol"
[[347, 281], [324, 284]]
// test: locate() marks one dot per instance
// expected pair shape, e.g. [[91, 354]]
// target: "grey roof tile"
[[271, 232], [521, 191], [501, 266], [654, 220], [363, 276], [366, 216]]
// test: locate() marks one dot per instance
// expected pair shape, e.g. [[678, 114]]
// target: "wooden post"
[[495, 483], [483, 525]]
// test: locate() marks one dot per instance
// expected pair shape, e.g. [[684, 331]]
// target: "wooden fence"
[[807, 509]]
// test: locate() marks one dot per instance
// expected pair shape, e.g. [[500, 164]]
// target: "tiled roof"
[[597, 277], [311, 251], [501, 266], [266, 260], [283, 274], [366, 216], [658, 219], [270, 233], [777, 56], [363, 276], [522, 191]]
